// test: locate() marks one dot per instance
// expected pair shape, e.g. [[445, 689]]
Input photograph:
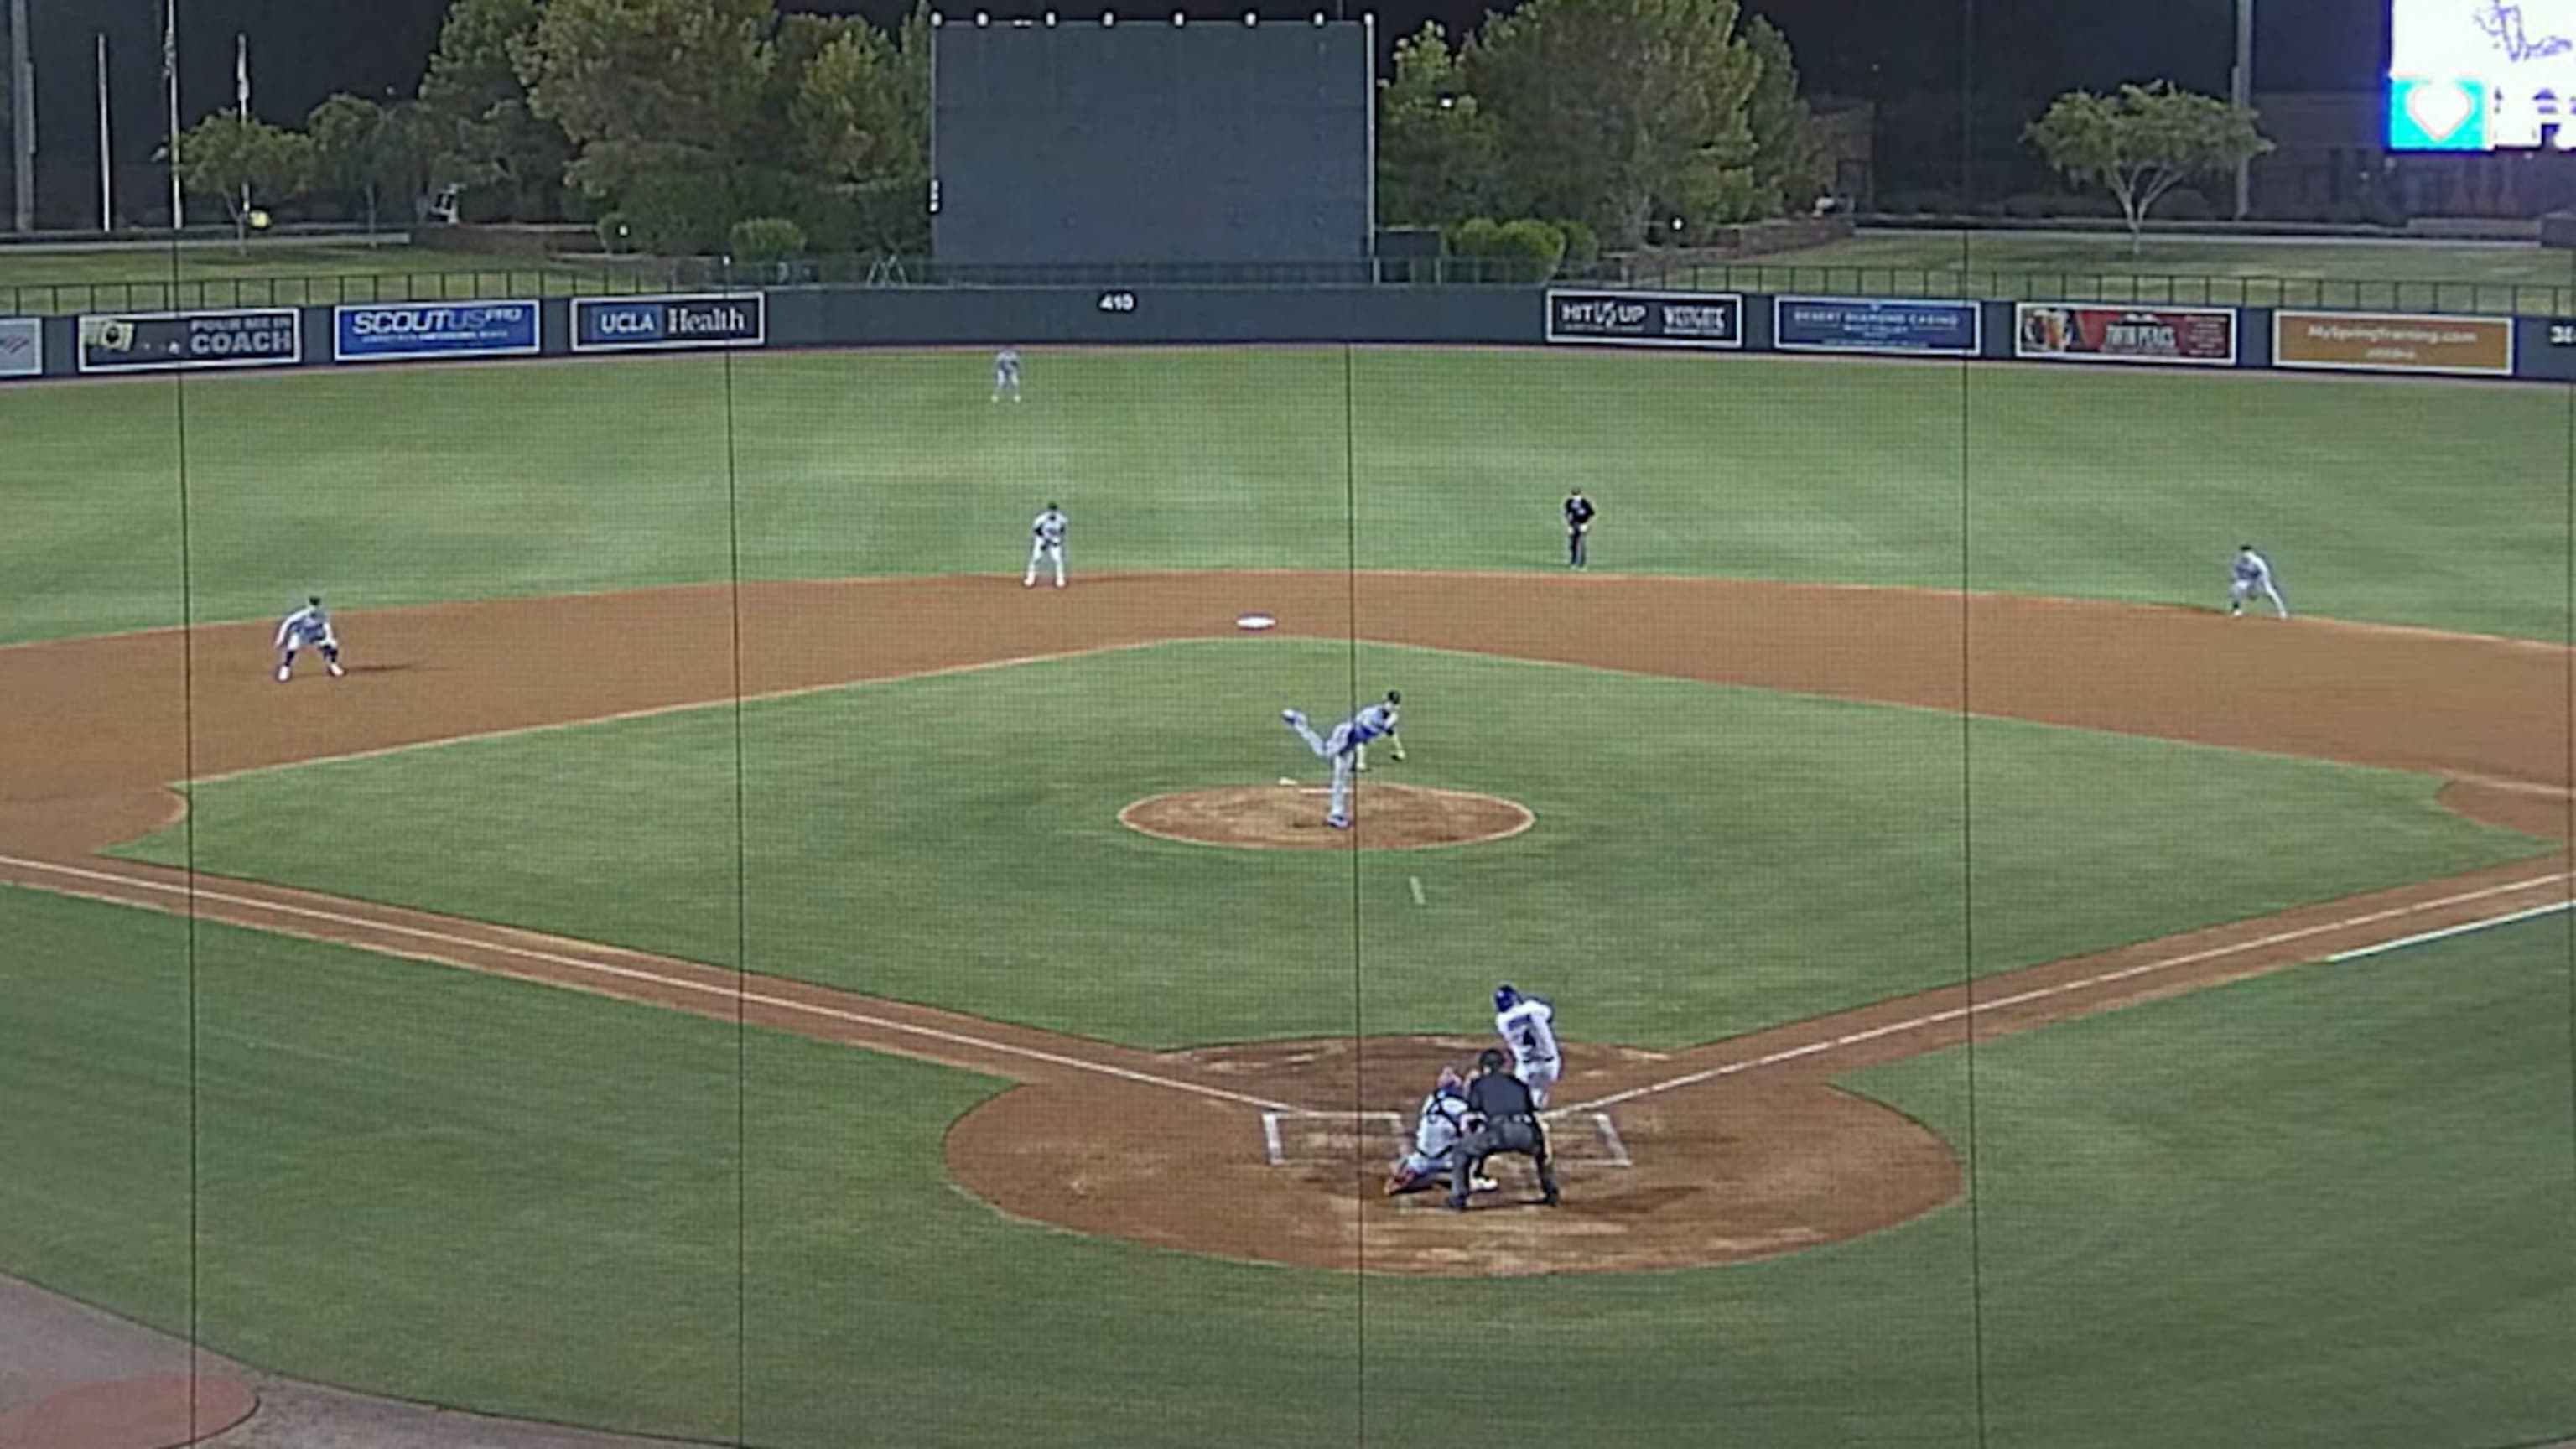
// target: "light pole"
[[22, 107], [2240, 90]]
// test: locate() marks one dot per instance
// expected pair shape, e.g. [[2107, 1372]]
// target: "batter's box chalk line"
[[1292, 1138]]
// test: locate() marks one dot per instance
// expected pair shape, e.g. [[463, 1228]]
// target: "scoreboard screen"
[[1124, 141], [2482, 75]]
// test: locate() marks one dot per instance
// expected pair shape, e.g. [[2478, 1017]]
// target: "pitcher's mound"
[[1291, 817]]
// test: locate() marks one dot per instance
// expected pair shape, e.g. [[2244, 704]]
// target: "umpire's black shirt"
[[1497, 1095]]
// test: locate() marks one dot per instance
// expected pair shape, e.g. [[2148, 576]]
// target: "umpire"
[[1506, 1120], [1579, 514]]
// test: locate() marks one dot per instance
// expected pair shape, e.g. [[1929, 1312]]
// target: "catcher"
[[1436, 1134], [1501, 1117]]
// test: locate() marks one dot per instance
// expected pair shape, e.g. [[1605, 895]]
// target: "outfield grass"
[[2061, 266], [413, 486], [1708, 860], [2327, 1206], [285, 273]]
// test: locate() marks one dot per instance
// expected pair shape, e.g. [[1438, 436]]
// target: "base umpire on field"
[[1502, 1117]]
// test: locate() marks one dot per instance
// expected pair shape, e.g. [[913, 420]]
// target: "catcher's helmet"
[[1395, 696]]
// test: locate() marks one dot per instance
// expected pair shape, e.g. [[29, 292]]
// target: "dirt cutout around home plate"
[[1748, 1169], [1291, 817]]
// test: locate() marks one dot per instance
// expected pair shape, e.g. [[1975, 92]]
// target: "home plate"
[[1254, 621]]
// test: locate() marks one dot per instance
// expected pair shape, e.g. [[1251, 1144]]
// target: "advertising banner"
[[386, 331], [609, 324], [1647, 319], [179, 341], [22, 347], [2366, 342], [1869, 324], [2078, 332]]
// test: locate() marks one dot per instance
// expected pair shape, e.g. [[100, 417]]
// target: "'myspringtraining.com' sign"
[[2366, 342]]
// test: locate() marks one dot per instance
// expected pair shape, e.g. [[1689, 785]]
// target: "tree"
[[2144, 142], [475, 122], [1437, 156], [1615, 111], [653, 87], [362, 150], [245, 162], [847, 116], [1790, 167]]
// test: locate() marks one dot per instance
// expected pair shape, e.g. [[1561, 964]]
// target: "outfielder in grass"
[[1343, 745]]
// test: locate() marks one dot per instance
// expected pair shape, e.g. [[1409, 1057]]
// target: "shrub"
[[1473, 237], [1530, 249], [761, 240], [678, 213], [615, 235], [1582, 243], [1525, 250]]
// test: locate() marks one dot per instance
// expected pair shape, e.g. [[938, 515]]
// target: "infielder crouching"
[[308, 625], [1342, 747], [2248, 575]]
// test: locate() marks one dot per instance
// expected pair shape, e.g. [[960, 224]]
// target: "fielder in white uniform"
[[308, 625], [2251, 574], [1046, 543], [1006, 374], [1528, 1028], [1342, 747], [1437, 1130]]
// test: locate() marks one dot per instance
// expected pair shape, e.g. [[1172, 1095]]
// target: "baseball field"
[[730, 963]]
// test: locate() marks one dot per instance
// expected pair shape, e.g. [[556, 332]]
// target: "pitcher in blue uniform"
[[1342, 747]]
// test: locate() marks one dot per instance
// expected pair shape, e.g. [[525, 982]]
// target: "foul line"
[[2042, 993], [2447, 932], [631, 973]]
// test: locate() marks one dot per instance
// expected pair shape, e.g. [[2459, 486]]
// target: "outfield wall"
[[2531, 349]]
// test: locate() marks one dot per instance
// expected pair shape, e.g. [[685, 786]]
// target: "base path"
[[1735, 1149]]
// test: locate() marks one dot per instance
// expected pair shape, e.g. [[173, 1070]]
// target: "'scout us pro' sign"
[[635, 324], [383, 332]]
